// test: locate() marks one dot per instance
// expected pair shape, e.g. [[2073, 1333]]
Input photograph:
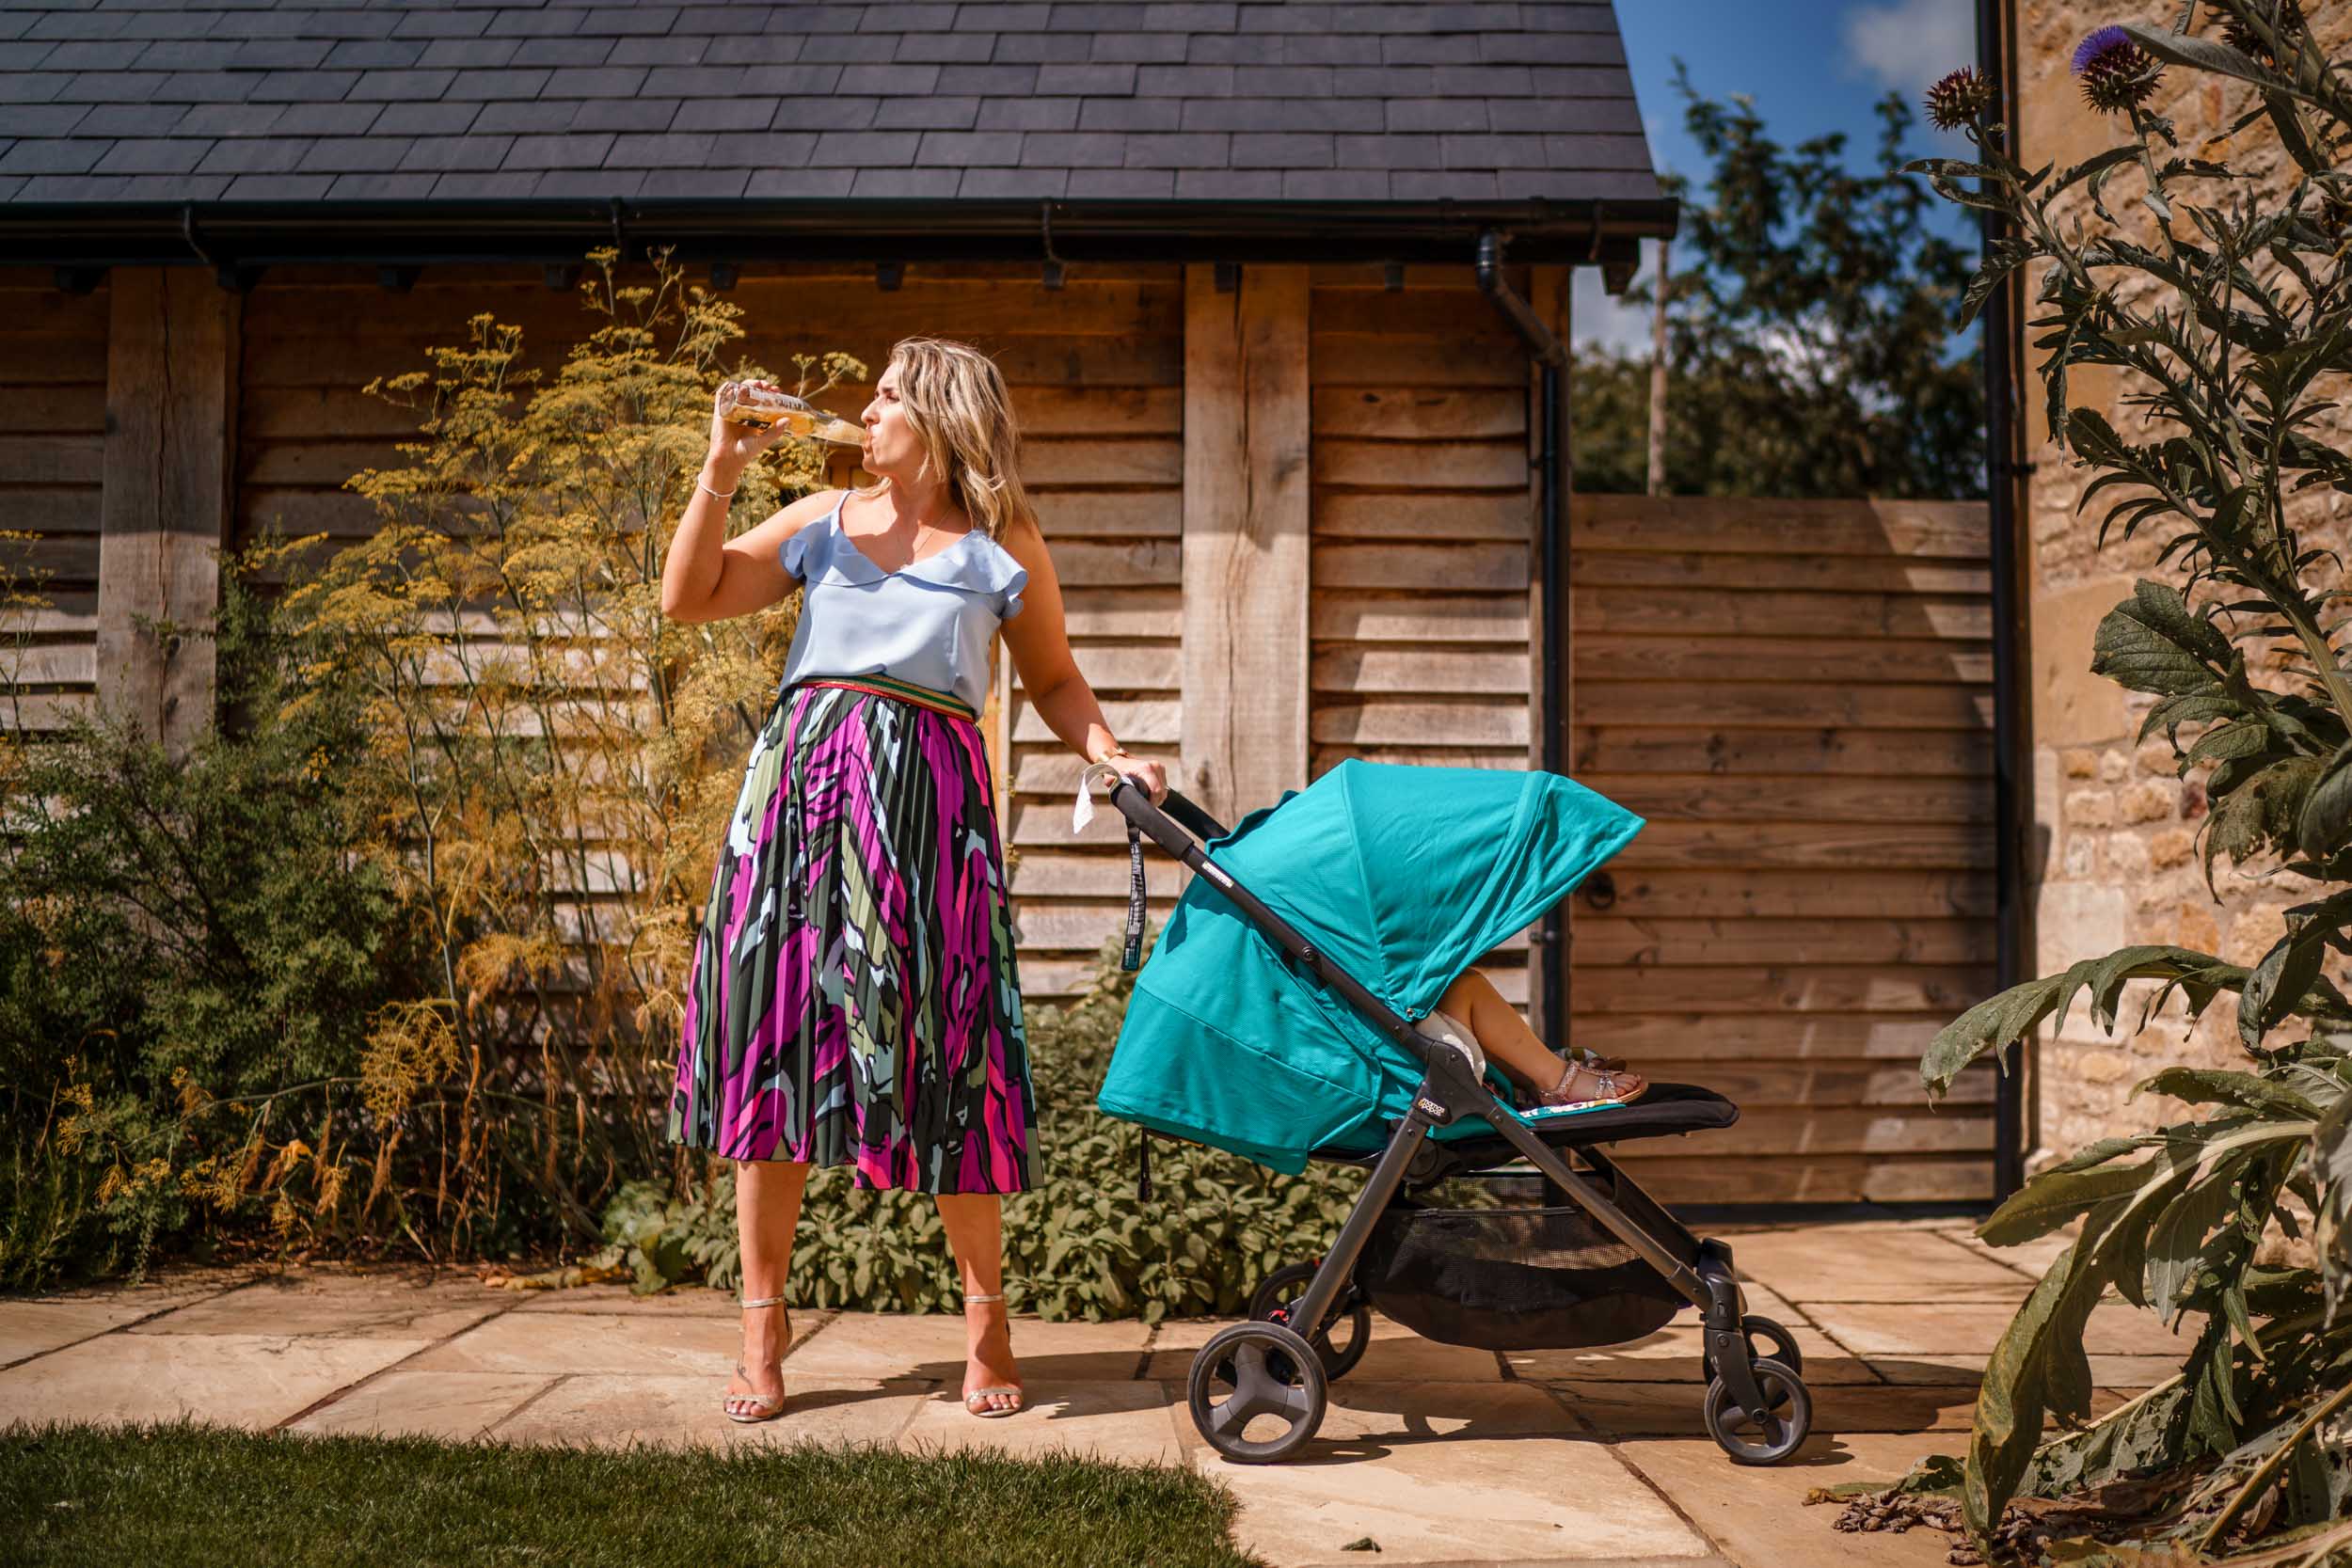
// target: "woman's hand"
[[736, 446], [1144, 772]]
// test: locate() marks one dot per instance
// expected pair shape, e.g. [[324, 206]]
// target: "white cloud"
[[1908, 44]]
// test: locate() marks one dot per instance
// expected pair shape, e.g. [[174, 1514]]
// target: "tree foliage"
[[1809, 337]]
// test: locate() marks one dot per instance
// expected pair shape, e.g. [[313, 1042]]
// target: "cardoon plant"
[[2226, 306]]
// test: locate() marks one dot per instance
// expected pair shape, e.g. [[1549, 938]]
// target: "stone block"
[[2072, 706], [2151, 800], [2074, 921]]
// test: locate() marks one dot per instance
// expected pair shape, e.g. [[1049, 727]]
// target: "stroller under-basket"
[[1318, 1066]]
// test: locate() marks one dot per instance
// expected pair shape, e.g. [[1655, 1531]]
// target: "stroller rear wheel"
[[1782, 1431], [1278, 1292], [1256, 1392]]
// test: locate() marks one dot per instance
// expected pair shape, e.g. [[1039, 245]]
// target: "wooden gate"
[[1798, 696]]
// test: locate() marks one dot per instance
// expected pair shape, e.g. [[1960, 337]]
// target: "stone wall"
[[2115, 857]]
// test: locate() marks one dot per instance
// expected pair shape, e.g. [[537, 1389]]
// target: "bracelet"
[[720, 494], [1115, 752]]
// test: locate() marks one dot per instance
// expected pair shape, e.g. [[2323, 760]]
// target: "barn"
[[1282, 289]]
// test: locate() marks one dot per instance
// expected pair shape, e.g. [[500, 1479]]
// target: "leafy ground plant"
[[2227, 304]]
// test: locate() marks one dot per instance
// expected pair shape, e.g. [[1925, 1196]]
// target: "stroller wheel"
[[1280, 1291], [1779, 1344], [1782, 1431], [1256, 1392]]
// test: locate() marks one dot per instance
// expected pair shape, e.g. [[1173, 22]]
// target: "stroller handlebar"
[[1189, 822]]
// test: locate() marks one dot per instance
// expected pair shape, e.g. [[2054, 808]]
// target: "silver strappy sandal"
[[988, 1412], [766, 1407]]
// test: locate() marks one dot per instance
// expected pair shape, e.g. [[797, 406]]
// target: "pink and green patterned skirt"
[[854, 999]]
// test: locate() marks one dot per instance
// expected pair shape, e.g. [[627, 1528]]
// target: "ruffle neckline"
[[973, 563]]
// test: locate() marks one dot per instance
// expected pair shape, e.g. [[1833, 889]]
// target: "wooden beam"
[[164, 511], [1248, 511], [1548, 295]]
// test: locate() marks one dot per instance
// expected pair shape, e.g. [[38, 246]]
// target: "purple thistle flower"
[[2098, 42], [2117, 74]]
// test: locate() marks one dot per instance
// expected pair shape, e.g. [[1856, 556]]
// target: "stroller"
[[1308, 1034]]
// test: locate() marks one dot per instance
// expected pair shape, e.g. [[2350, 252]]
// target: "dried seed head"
[[1959, 98], [2286, 20]]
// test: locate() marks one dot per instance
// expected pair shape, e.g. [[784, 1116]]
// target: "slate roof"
[[210, 101]]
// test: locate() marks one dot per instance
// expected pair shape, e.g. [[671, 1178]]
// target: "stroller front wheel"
[[1782, 1431], [1256, 1392]]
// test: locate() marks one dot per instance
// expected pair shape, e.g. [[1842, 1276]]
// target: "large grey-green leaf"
[[2204, 55], [2152, 641], [2178, 1237], [2219, 1085], [2018, 1380], [2016, 1013], [2058, 1197], [2326, 822]]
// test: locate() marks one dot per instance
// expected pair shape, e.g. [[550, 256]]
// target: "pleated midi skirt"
[[854, 999]]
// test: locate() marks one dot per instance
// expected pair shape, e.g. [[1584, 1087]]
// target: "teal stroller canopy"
[[1403, 878]]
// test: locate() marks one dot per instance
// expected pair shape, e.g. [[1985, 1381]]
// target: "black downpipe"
[[1550, 936], [2003, 474]]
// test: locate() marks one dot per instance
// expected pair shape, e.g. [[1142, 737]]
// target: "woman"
[[854, 999]]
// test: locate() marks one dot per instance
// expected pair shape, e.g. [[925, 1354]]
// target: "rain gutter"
[[257, 234], [1550, 935]]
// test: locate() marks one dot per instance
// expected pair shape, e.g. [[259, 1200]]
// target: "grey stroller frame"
[[1279, 1364]]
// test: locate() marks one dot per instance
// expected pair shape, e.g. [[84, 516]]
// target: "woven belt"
[[904, 691]]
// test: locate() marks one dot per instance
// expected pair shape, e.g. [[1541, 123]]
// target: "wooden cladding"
[[1797, 695], [53, 452]]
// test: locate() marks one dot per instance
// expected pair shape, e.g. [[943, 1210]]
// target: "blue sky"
[[1811, 66]]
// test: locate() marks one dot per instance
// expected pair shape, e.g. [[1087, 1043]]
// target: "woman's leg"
[[976, 1229], [766, 1210]]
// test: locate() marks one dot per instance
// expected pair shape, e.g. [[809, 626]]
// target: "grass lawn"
[[160, 1495]]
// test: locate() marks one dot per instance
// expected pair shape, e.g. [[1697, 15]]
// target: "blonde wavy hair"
[[955, 398]]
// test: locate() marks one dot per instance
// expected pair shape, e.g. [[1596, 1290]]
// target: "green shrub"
[[192, 951], [1077, 1245]]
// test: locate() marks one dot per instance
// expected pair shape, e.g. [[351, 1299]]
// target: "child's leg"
[[1507, 1042], [1521, 1053]]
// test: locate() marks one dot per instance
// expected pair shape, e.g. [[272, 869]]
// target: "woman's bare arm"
[[703, 581]]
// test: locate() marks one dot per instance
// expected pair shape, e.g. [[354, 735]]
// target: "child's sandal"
[[1586, 1079]]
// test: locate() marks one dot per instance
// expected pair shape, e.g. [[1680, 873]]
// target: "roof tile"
[[575, 149], [250, 155], [723, 114], [304, 86], [926, 114], [529, 114], [39, 119], [851, 48], [595, 82], [227, 119], [971, 48], [563, 52], [374, 185], [1189, 151], [278, 187], [359, 154], [1281, 151], [1145, 48], [800, 181], [1019, 80], [326, 119], [883, 80], [1184, 81], [823, 114], [906, 183], [1427, 115], [508, 82], [638, 114], [428, 119], [668, 150], [1129, 114], [1282, 114], [855, 150], [444, 154], [1122, 185], [959, 148], [1037, 48], [1031, 113], [1228, 184], [510, 186], [365, 54], [400, 86], [990, 184], [1335, 185], [471, 54], [1084, 81], [57, 156]]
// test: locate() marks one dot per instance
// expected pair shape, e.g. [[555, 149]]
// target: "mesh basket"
[[1512, 1278]]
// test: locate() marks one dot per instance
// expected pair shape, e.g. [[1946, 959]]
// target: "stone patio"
[[1440, 1454]]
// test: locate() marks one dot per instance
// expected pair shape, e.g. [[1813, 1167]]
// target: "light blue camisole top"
[[930, 623]]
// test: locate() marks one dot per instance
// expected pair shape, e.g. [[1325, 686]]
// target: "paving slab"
[[1675, 1353], [1756, 1517], [2107, 1371], [930, 1347], [34, 1326], [1453, 1473], [620, 1410], [693, 1301], [1130, 1421], [404, 1402], [353, 1306], [1875, 1329], [590, 1343], [1863, 1262], [247, 1380], [1622, 1410]]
